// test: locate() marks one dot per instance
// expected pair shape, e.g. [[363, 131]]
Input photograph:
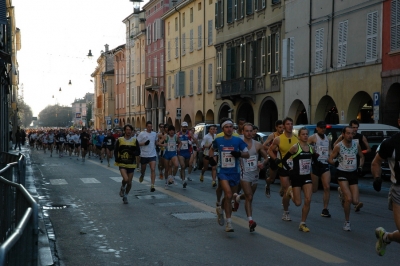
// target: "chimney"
[[106, 46]]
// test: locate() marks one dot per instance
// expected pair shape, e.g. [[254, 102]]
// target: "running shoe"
[[166, 186], [220, 216], [380, 245], [184, 184], [286, 216], [201, 178], [161, 176], [228, 227], [101, 161], [213, 183], [141, 178], [325, 213], [252, 225], [289, 192], [152, 189], [358, 206], [125, 199], [346, 226], [122, 191], [341, 198], [171, 180], [303, 227], [267, 191], [189, 179], [236, 203]]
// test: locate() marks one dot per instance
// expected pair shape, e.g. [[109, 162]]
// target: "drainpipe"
[[332, 16], [180, 60], [204, 64]]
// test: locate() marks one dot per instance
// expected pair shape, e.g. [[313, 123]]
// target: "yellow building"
[[190, 62]]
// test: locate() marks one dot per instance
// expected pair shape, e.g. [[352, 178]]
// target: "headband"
[[226, 123]]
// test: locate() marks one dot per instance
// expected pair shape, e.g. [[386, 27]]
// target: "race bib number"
[[251, 164], [228, 161], [323, 153], [61, 139], [349, 162], [171, 146], [185, 145], [290, 163], [305, 166], [109, 142]]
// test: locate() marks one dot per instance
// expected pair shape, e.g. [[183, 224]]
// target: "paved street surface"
[[88, 224]]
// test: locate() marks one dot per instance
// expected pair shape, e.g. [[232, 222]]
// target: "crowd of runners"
[[235, 157]]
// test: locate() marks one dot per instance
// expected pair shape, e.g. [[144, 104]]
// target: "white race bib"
[[171, 146], [349, 162], [184, 145], [228, 161], [323, 153], [250, 164], [305, 166]]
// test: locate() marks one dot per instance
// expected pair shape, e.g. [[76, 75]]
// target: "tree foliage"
[[55, 116], [24, 113]]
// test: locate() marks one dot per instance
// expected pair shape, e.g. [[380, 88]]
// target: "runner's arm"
[[333, 155]]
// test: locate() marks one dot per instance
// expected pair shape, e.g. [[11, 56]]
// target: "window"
[[230, 63], [116, 101], [372, 36], [162, 67], [242, 59], [210, 85], [191, 83], [169, 28], [319, 49], [132, 66], [133, 95], [199, 6], [199, 80], [148, 31], [239, 9], [149, 68], [116, 76], [169, 51], [273, 43], [191, 14], [127, 96], [342, 44], [219, 66], [176, 24], [259, 4], [249, 7], [191, 41], [199, 36], [183, 19], [183, 44], [122, 100], [291, 56], [219, 14], [155, 73], [176, 47], [395, 25], [262, 52], [210, 32], [169, 87], [229, 10]]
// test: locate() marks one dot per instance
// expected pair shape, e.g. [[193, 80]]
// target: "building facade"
[[121, 103], [390, 97], [190, 63], [155, 61], [248, 60]]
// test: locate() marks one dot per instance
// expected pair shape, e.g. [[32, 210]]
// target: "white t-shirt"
[[208, 139], [148, 151]]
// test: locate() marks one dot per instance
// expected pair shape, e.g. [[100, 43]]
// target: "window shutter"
[[216, 14], [228, 63], [291, 56], [176, 84], [210, 68], [169, 51], [191, 82], [199, 42], [277, 44], [263, 3], [176, 47], [342, 43], [210, 35], [394, 25], [199, 80], [256, 5], [235, 9], [249, 7], [169, 87], [181, 83], [191, 40], [319, 47], [183, 44], [269, 54], [284, 57], [221, 8], [229, 16], [241, 8], [372, 36]]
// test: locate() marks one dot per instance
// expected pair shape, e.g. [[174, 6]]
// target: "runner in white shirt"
[[50, 141], [206, 144], [148, 155]]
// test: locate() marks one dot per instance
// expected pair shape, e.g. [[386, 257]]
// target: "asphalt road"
[[88, 224]]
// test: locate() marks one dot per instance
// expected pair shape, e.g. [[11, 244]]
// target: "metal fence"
[[18, 214]]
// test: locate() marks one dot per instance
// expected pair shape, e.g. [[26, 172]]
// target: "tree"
[[55, 116], [24, 113]]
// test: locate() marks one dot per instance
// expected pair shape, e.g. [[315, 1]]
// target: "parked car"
[[264, 135], [201, 130]]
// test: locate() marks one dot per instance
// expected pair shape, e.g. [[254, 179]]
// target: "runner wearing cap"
[[322, 147]]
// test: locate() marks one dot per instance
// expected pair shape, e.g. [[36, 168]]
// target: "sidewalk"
[[44, 251]]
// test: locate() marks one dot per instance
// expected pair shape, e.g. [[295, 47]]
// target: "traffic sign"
[[178, 113], [376, 98], [116, 121]]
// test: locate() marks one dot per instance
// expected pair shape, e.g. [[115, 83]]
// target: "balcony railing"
[[241, 87], [152, 83]]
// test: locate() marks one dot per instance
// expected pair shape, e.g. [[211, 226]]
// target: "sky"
[[56, 36]]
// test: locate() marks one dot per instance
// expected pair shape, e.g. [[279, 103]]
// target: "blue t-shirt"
[[227, 164], [100, 139]]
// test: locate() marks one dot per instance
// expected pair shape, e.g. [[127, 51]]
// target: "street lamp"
[[89, 55], [136, 5], [59, 89], [70, 83]]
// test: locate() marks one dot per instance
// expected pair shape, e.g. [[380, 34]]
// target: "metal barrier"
[[19, 226]]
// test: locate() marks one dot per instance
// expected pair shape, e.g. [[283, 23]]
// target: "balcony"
[[152, 83], [236, 89]]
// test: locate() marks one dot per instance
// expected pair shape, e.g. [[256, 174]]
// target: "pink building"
[[155, 61], [121, 99]]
